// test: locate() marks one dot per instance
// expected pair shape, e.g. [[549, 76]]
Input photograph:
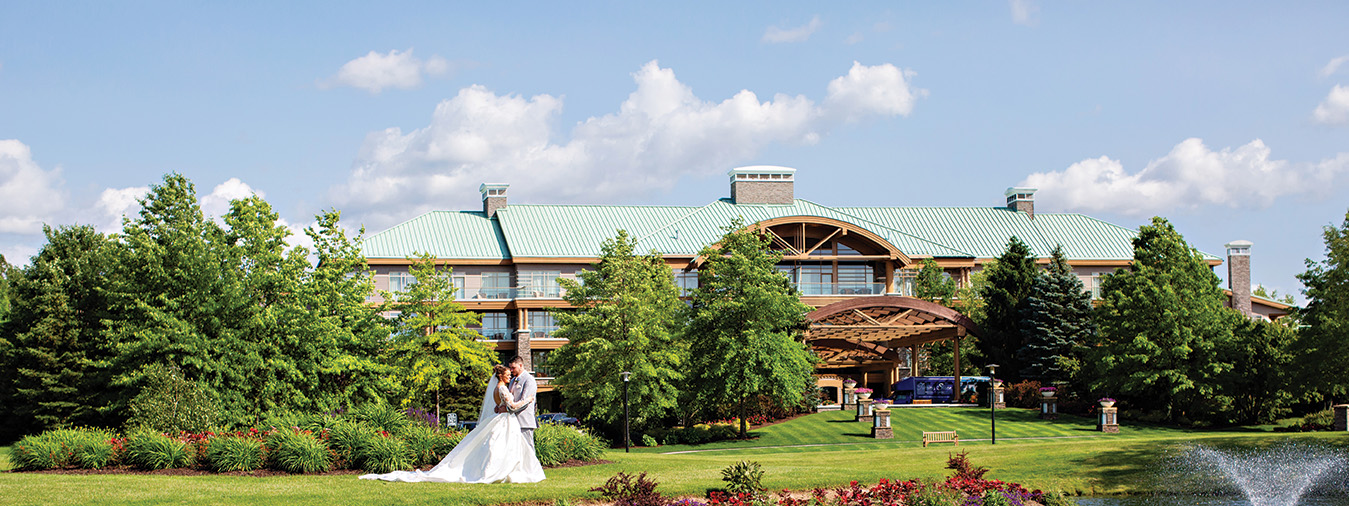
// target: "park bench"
[[941, 437]]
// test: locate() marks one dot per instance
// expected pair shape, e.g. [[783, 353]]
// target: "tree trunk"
[[437, 424], [744, 433]]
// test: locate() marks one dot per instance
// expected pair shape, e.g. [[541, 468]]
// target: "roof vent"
[[763, 184]]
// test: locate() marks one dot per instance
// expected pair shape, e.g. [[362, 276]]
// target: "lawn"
[[1098, 464]]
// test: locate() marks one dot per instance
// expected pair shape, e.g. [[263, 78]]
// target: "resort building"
[[856, 264]]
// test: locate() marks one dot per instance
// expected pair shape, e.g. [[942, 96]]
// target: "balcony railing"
[[542, 332], [539, 292], [497, 334], [808, 289]]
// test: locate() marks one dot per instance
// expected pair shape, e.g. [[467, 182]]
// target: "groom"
[[523, 388]]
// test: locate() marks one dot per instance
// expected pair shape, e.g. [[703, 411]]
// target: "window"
[[844, 249], [856, 279], [540, 363], [496, 327], [496, 285], [459, 282], [541, 325], [540, 284], [686, 281], [904, 281], [401, 281]]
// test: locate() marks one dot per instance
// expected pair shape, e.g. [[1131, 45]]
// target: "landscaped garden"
[[1061, 455]]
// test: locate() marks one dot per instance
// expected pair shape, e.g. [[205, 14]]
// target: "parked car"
[[468, 425], [559, 418]]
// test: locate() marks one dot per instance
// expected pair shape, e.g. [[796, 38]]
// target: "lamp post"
[[627, 439], [992, 403]]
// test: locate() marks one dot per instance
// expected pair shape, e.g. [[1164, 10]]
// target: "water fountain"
[[1276, 476], [1292, 474]]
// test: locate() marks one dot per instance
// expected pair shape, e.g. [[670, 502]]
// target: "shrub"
[[287, 419], [933, 495], [297, 452], [964, 469], [233, 453], [721, 432], [555, 444], [743, 477], [382, 454], [1025, 394], [171, 403], [624, 491], [152, 450], [421, 444], [647, 440], [61, 448], [382, 417], [346, 439]]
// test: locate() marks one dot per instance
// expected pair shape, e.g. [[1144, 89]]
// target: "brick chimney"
[[1021, 199], [762, 184], [493, 197], [1239, 275]]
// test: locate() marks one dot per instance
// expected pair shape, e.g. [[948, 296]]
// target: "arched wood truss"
[[870, 329], [807, 238]]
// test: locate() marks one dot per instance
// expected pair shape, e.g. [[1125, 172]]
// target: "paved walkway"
[[869, 442]]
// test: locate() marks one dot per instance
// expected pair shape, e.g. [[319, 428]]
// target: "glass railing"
[[542, 332], [497, 334], [808, 289], [545, 371], [539, 292]]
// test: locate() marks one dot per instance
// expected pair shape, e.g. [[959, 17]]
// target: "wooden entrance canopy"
[[873, 329]]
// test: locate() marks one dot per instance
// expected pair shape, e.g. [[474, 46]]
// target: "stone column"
[[999, 401], [849, 396], [1108, 420], [1341, 417], [864, 412], [880, 425], [1049, 408]]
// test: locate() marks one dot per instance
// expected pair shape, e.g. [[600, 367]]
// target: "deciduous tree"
[[746, 326], [628, 317], [1162, 324], [1323, 349]]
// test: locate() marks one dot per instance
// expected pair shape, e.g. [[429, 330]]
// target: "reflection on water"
[[1198, 501]]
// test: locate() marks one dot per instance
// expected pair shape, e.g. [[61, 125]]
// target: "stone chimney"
[[1239, 275], [762, 184], [1021, 199], [493, 197]]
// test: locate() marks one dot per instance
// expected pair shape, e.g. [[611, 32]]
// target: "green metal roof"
[[444, 234], [576, 231]]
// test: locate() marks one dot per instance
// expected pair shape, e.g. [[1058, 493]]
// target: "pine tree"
[[1162, 324], [1056, 322], [1323, 349], [60, 353], [746, 326], [628, 318], [1009, 281]]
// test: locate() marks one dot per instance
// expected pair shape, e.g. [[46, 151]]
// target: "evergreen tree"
[[60, 352], [1162, 324], [628, 318], [1056, 321], [1323, 349], [933, 285], [1009, 282], [439, 360], [745, 328]]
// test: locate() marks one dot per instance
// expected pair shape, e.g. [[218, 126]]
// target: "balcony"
[[542, 333], [539, 292], [497, 334], [831, 289]]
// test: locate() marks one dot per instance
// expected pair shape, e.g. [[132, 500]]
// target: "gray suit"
[[524, 388]]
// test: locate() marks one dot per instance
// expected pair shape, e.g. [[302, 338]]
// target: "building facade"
[[507, 259]]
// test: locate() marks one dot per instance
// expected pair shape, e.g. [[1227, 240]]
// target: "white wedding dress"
[[493, 452]]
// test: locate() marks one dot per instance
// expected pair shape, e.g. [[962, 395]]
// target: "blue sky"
[[1229, 118]]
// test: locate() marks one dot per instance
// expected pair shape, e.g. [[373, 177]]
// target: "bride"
[[493, 452]]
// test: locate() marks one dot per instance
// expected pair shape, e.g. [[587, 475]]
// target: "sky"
[[1231, 119]]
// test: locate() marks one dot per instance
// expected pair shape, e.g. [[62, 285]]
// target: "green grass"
[[1122, 463], [5, 465]]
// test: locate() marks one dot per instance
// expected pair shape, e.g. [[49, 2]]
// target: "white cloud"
[[116, 203], [374, 72], [854, 38], [866, 91], [1190, 176], [29, 196], [217, 203], [1334, 110], [799, 34], [17, 254], [1024, 12], [660, 133], [1333, 65]]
